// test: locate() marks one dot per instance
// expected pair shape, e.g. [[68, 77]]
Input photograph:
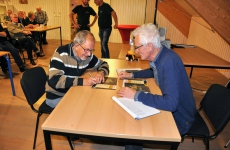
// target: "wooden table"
[[191, 57], [200, 58], [5, 55], [42, 29], [91, 113]]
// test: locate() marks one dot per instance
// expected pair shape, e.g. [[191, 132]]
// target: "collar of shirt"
[[152, 63], [74, 55]]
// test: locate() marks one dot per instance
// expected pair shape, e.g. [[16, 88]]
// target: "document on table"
[[136, 109], [110, 84]]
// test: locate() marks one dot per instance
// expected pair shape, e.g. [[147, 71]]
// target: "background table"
[[91, 113], [125, 31], [42, 29], [191, 57], [200, 58]]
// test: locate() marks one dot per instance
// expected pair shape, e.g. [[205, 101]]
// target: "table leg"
[[10, 73], [40, 43], [47, 139], [191, 72], [60, 36], [174, 146]]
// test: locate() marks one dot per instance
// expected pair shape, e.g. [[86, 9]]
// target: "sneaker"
[[32, 62], [23, 68]]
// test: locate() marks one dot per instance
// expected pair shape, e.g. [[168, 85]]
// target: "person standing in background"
[[83, 15], [42, 18], [105, 13], [7, 18]]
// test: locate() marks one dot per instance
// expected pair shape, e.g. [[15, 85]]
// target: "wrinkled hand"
[[124, 75], [100, 77], [89, 81], [126, 92]]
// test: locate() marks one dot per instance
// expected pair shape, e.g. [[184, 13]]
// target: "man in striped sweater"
[[71, 61]]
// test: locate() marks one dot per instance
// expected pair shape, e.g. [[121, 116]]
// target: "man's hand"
[[77, 26], [124, 75], [126, 92], [100, 77], [89, 81], [26, 32], [89, 25], [115, 26]]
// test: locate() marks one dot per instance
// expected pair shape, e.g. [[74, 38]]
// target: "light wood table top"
[[42, 29], [88, 111], [198, 57]]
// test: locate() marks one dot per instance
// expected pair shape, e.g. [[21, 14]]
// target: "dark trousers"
[[104, 35], [7, 46], [29, 45], [43, 36]]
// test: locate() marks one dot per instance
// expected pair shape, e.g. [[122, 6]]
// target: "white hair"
[[148, 33]]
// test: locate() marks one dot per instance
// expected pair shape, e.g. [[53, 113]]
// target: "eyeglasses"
[[87, 50], [137, 47]]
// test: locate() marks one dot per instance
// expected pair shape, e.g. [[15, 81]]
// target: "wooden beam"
[[216, 13], [176, 15]]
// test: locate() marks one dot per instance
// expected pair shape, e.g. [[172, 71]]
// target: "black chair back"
[[216, 105], [33, 84]]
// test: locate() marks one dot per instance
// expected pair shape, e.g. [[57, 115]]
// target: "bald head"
[[38, 8]]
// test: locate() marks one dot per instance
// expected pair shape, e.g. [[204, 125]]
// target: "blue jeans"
[[104, 37]]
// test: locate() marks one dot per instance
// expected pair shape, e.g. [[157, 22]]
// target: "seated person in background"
[[71, 61], [169, 73], [21, 18], [7, 18], [7, 46], [31, 23], [3, 64], [17, 31], [30, 20]]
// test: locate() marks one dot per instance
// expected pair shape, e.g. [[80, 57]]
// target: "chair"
[[228, 87], [33, 85], [20, 47], [215, 104]]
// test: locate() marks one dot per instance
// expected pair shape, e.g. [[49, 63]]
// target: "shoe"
[[39, 54], [23, 68], [32, 62], [45, 43]]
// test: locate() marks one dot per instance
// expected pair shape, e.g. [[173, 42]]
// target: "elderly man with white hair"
[[170, 75]]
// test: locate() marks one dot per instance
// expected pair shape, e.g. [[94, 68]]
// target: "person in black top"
[[105, 11], [30, 22], [83, 13], [7, 46]]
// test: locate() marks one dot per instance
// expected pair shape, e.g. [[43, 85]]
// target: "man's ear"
[[150, 46]]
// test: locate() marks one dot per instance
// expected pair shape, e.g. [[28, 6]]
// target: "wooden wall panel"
[[216, 13], [176, 15], [150, 11], [128, 12], [208, 40]]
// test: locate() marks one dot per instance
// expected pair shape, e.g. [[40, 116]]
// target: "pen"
[[90, 74]]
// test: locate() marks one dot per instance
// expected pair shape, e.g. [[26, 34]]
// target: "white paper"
[[136, 109]]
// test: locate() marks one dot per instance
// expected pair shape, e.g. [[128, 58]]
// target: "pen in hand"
[[90, 75]]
